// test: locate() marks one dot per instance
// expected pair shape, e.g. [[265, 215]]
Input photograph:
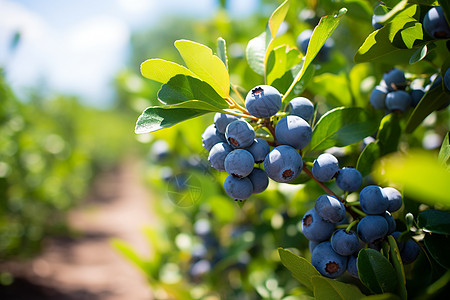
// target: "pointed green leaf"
[[398, 266], [281, 60], [222, 51], [367, 158], [389, 134], [277, 17], [376, 272], [429, 182], [400, 7], [444, 152], [182, 88], [321, 33], [411, 33], [341, 127], [325, 289], [433, 100], [256, 52], [435, 221], [208, 67], [156, 117], [421, 53], [301, 269], [161, 70]]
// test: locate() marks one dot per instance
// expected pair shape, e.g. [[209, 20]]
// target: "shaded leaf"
[[389, 134], [256, 52], [301, 269], [438, 245], [325, 289], [435, 221], [376, 272], [161, 70], [421, 53], [367, 158], [398, 266], [208, 67]]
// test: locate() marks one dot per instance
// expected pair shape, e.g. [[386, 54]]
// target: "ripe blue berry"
[[373, 201], [435, 23], [398, 101], [447, 79], [416, 95], [390, 221], [394, 199], [330, 208], [314, 228], [302, 107], [240, 134], [293, 131], [344, 243], [409, 252], [312, 245], [349, 179], [327, 261], [259, 149], [211, 136], [238, 188], [263, 101], [378, 97], [239, 163], [396, 235], [218, 154], [221, 120], [259, 180], [372, 228], [325, 167], [394, 79], [283, 164]]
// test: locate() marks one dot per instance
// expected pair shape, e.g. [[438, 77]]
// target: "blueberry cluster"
[[234, 148], [334, 248]]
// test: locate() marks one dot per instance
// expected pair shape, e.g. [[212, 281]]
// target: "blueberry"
[[416, 95], [263, 101], [394, 198], [349, 179], [259, 149], [294, 131], [435, 23], [221, 120], [211, 136], [325, 166], [327, 262], [373, 201], [330, 208], [352, 266], [396, 235], [409, 252], [312, 245], [394, 79], [378, 97], [344, 243], [398, 101], [302, 107], [390, 221], [447, 79], [238, 188], [218, 154], [259, 180], [239, 163], [314, 228], [375, 24], [372, 228], [283, 164], [240, 134]]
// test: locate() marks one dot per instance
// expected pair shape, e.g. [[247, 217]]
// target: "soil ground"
[[87, 267]]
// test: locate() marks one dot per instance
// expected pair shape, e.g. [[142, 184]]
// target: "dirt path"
[[88, 267]]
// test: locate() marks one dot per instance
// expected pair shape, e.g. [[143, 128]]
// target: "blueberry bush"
[[330, 134]]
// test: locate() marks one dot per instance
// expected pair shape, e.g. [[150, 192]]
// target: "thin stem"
[[349, 227], [269, 126], [354, 203], [358, 211], [234, 88], [323, 186], [248, 116], [234, 104]]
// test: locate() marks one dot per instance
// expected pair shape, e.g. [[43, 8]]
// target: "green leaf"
[[182, 88], [397, 9], [222, 51], [335, 88], [376, 272], [156, 117], [325, 289], [435, 221], [281, 60], [385, 296], [398, 266], [256, 52], [341, 127], [424, 2], [301, 269], [162, 70], [389, 134], [321, 33], [438, 245], [421, 53], [444, 152], [420, 173], [406, 16], [277, 17], [411, 33], [433, 100], [367, 158], [208, 67]]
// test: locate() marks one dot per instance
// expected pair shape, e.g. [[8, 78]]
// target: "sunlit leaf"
[[208, 67], [444, 152], [161, 70], [256, 52], [281, 60], [301, 269], [333, 87], [222, 51], [420, 173], [412, 33], [325, 289], [277, 17]]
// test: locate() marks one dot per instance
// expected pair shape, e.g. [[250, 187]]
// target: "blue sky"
[[77, 46]]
